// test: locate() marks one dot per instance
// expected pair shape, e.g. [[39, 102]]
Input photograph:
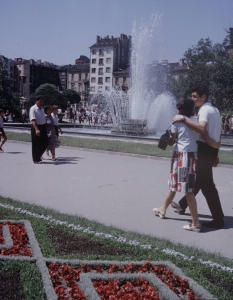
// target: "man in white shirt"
[[209, 128], [38, 130]]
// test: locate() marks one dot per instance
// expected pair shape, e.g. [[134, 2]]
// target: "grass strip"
[[192, 268], [30, 278], [226, 157]]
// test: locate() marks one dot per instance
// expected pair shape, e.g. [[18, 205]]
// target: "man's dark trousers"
[[204, 180], [39, 143]]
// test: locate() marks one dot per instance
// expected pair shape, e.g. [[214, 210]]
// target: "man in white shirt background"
[[38, 130]]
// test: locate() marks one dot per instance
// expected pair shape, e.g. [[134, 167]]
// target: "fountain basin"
[[133, 127]]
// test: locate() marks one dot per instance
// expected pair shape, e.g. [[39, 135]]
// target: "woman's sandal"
[[177, 207], [157, 213], [54, 159], [189, 227]]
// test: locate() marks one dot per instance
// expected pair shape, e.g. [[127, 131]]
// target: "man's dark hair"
[[39, 97], [201, 90], [185, 107]]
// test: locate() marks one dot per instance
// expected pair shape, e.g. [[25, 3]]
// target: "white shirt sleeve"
[[32, 115], [203, 115], [174, 128]]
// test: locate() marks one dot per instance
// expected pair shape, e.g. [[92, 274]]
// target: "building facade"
[[107, 55], [78, 77]]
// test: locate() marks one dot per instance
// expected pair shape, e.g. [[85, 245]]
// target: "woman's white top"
[[186, 137]]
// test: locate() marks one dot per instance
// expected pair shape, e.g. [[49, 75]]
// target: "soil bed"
[[67, 243], [10, 286]]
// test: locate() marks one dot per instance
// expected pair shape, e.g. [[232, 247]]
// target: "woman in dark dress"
[[50, 132]]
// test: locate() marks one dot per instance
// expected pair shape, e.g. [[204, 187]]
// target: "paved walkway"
[[114, 189]]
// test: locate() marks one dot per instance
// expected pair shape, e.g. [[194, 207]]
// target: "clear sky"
[[59, 31]]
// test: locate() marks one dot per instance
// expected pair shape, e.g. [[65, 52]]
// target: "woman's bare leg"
[[167, 202], [192, 203]]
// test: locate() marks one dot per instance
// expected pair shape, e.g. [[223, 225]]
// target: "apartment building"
[[78, 77], [107, 55]]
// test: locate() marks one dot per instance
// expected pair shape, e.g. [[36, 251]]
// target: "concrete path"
[[114, 189]]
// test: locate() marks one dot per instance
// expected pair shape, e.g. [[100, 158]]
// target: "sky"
[[59, 31]]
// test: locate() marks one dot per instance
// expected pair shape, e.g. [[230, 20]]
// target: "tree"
[[51, 95], [209, 65], [5, 96], [72, 96]]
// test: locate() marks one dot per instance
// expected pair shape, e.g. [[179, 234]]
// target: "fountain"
[[140, 111]]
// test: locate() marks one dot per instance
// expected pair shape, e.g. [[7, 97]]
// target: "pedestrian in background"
[[38, 130], [2, 132]]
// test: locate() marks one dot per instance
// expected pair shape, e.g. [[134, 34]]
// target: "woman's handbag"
[[164, 140]]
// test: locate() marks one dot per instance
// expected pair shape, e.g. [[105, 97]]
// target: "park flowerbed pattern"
[[131, 288], [77, 279]]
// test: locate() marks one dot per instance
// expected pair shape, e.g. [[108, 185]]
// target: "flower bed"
[[71, 275], [138, 289], [93, 280], [20, 239]]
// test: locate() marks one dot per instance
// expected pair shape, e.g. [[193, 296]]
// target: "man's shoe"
[[177, 207], [214, 224], [1, 150]]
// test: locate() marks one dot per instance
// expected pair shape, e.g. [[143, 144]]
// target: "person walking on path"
[[51, 133], [2, 132], [56, 120], [209, 128], [183, 165], [38, 130]]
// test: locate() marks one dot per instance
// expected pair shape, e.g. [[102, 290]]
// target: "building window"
[[108, 60], [108, 70], [93, 70], [101, 61], [86, 76], [93, 51], [93, 61], [100, 80], [72, 77], [79, 76], [72, 86], [92, 79], [116, 80], [107, 88], [108, 50], [63, 73], [124, 80], [107, 79], [100, 71], [101, 51], [63, 79], [80, 87], [92, 89]]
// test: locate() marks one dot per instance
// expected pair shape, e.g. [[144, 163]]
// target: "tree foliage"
[[208, 64], [51, 95], [72, 96], [5, 95]]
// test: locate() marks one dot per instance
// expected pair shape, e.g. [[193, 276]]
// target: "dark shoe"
[[177, 207], [214, 224], [37, 162], [1, 149]]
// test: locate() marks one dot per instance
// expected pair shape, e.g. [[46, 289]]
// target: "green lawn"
[[226, 157]]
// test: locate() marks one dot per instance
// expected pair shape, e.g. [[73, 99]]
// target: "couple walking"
[[197, 141], [44, 130]]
